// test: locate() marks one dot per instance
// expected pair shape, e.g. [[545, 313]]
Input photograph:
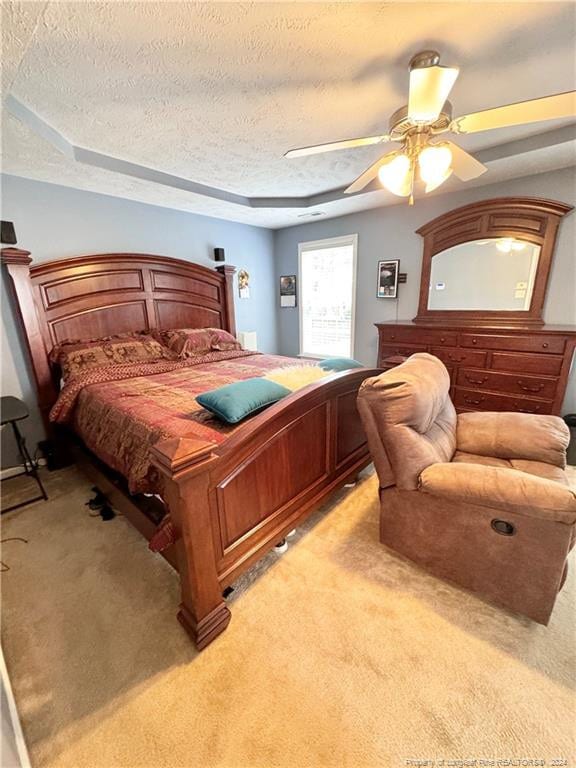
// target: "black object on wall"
[[8, 234], [218, 254]]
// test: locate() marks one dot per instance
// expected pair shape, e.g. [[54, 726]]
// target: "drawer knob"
[[526, 388], [442, 339], [455, 359], [392, 335], [545, 345], [526, 410], [479, 382], [471, 401], [474, 341]]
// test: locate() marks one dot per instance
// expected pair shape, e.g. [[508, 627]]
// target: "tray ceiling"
[[110, 96]]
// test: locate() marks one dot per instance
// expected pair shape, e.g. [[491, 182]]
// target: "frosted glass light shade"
[[395, 175], [438, 182], [429, 89], [435, 166]]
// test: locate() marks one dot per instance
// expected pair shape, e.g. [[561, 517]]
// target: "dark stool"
[[12, 411]]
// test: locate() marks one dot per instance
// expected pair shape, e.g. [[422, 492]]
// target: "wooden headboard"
[[89, 297]]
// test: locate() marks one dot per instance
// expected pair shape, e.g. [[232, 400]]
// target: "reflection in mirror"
[[490, 274]]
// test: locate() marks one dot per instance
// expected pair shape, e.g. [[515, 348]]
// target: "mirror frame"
[[533, 219]]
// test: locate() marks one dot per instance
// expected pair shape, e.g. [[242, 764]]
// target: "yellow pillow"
[[295, 377]]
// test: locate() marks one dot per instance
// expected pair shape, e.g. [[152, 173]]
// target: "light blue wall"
[[56, 222], [390, 233]]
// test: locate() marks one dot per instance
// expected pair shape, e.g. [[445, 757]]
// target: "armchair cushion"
[[538, 468], [514, 436], [501, 489]]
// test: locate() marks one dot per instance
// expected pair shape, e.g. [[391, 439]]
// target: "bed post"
[[17, 265], [228, 271], [184, 463]]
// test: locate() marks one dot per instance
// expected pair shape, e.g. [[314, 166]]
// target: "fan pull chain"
[[412, 169]]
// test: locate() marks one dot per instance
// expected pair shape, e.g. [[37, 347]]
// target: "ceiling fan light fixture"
[[435, 165], [396, 176], [428, 115]]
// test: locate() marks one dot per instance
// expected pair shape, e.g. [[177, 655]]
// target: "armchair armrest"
[[501, 489], [514, 436]]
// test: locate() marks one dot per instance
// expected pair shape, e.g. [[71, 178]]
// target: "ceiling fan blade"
[[547, 108], [464, 165], [345, 144], [429, 89], [370, 173]]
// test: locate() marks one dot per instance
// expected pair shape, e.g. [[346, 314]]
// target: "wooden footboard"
[[231, 503]]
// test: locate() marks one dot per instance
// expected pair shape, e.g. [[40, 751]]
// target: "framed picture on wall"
[[388, 279], [288, 291], [243, 284]]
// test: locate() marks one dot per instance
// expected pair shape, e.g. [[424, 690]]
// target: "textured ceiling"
[[217, 92]]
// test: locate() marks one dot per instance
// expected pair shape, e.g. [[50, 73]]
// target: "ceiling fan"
[[419, 127]]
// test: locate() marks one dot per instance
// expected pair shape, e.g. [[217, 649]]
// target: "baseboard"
[[8, 472]]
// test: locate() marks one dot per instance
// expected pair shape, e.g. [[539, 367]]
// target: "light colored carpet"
[[339, 654]]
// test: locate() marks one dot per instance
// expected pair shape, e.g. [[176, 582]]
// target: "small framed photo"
[[388, 279], [243, 284], [288, 291]]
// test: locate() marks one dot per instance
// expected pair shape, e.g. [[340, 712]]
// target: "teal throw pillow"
[[237, 401]]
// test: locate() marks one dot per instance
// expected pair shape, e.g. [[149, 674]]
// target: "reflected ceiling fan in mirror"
[[425, 154]]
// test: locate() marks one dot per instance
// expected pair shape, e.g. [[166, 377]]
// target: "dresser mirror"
[[489, 262], [495, 274]]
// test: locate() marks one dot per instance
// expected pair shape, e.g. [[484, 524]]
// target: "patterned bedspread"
[[120, 411]]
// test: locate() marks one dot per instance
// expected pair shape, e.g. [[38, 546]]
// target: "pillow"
[[237, 401], [223, 341], [78, 357], [187, 342], [296, 376], [339, 364], [68, 344], [191, 342]]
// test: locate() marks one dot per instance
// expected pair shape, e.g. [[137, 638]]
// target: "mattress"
[[120, 411]]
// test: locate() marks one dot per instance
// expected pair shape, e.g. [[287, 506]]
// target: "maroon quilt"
[[120, 411]]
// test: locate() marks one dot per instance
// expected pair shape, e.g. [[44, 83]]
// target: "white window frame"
[[332, 242]]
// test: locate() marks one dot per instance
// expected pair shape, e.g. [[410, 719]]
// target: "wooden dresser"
[[492, 368]]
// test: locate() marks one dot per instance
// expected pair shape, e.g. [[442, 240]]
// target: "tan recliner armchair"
[[480, 499]]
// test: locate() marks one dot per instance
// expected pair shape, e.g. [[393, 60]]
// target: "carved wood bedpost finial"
[[185, 464], [15, 256], [228, 271]]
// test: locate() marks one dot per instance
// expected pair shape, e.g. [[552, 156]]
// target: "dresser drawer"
[[422, 336], [404, 350], [488, 401], [517, 384], [546, 344], [546, 365], [469, 357]]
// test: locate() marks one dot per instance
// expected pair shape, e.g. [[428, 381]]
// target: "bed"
[[231, 494]]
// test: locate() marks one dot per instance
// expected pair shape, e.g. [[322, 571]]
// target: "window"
[[327, 270]]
